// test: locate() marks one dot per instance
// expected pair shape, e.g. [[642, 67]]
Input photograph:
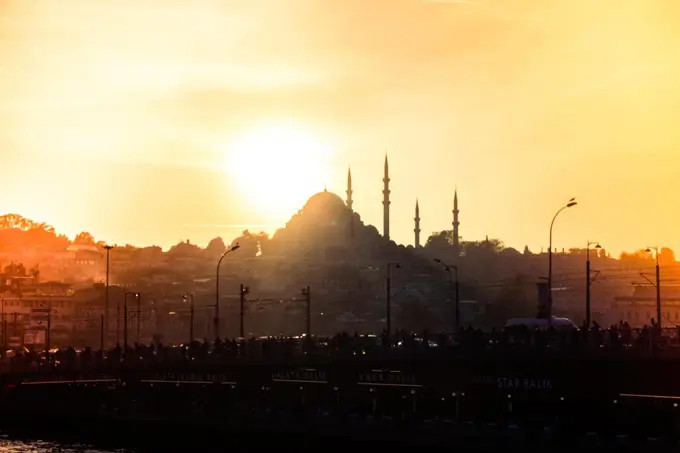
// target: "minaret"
[[386, 201], [455, 224], [350, 202], [417, 228], [349, 192]]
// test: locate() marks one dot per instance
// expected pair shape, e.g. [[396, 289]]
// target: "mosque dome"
[[324, 202]]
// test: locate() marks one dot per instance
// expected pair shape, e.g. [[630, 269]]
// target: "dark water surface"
[[16, 443], [119, 441], [11, 445]]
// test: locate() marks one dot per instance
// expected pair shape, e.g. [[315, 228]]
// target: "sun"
[[277, 168]]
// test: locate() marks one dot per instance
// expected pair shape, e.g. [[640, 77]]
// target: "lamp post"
[[217, 290], [657, 285], [106, 294], [594, 245], [447, 268], [570, 203], [388, 300], [191, 315]]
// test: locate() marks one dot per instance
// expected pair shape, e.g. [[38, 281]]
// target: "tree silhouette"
[[84, 238], [637, 259], [184, 250], [248, 245], [666, 257], [15, 270], [263, 242], [252, 245], [10, 221], [17, 232], [216, 247], [439, 239]]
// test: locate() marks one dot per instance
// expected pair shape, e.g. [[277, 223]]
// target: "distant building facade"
[[639, 308]]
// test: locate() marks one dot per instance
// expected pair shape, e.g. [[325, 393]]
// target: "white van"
[[542, 323]]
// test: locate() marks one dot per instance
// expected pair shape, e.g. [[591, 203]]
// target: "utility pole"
[[191, 316], [125, 327], [388, 301], [588, 288], [388, 304], [106, 294], [448, 268], [457, 301], [658, 292], [139, 315], [125, 317], [118, 322], [657, 285], [191, 321], [307, 294], [244, 291], [14, 325], [49, 325], [101, 332], [589, 281], [4, 326]]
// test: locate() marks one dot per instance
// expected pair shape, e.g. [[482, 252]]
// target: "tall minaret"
[[456, 233], [416, 230], [386, 201], [349, 192], [350, 202]]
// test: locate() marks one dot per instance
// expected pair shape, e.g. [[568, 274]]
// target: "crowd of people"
[[506, 343]]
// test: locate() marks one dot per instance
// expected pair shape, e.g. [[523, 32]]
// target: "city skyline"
[[385, 221], [149, 138]]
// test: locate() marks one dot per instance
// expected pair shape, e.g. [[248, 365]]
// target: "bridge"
[[592, 394]]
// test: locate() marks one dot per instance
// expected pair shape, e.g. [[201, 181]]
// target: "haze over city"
[[147, 123], [314, 225]]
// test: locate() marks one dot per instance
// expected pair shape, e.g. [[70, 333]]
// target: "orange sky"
[[119, 117]]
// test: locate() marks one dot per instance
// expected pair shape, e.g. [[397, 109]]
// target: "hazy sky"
[[159, 120]]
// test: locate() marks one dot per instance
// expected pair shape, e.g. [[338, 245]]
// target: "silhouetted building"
[[640, 307]]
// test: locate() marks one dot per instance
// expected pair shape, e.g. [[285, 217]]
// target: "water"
[[27, 443], [9, 445]]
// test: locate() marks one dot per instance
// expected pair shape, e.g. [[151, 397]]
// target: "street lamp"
[[594, 245], [191, 315], [388, 299], [447, 268], [217, 290], [570, 203], [658, 285]]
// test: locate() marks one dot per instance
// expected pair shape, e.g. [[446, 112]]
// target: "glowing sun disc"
[[277, 168]]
